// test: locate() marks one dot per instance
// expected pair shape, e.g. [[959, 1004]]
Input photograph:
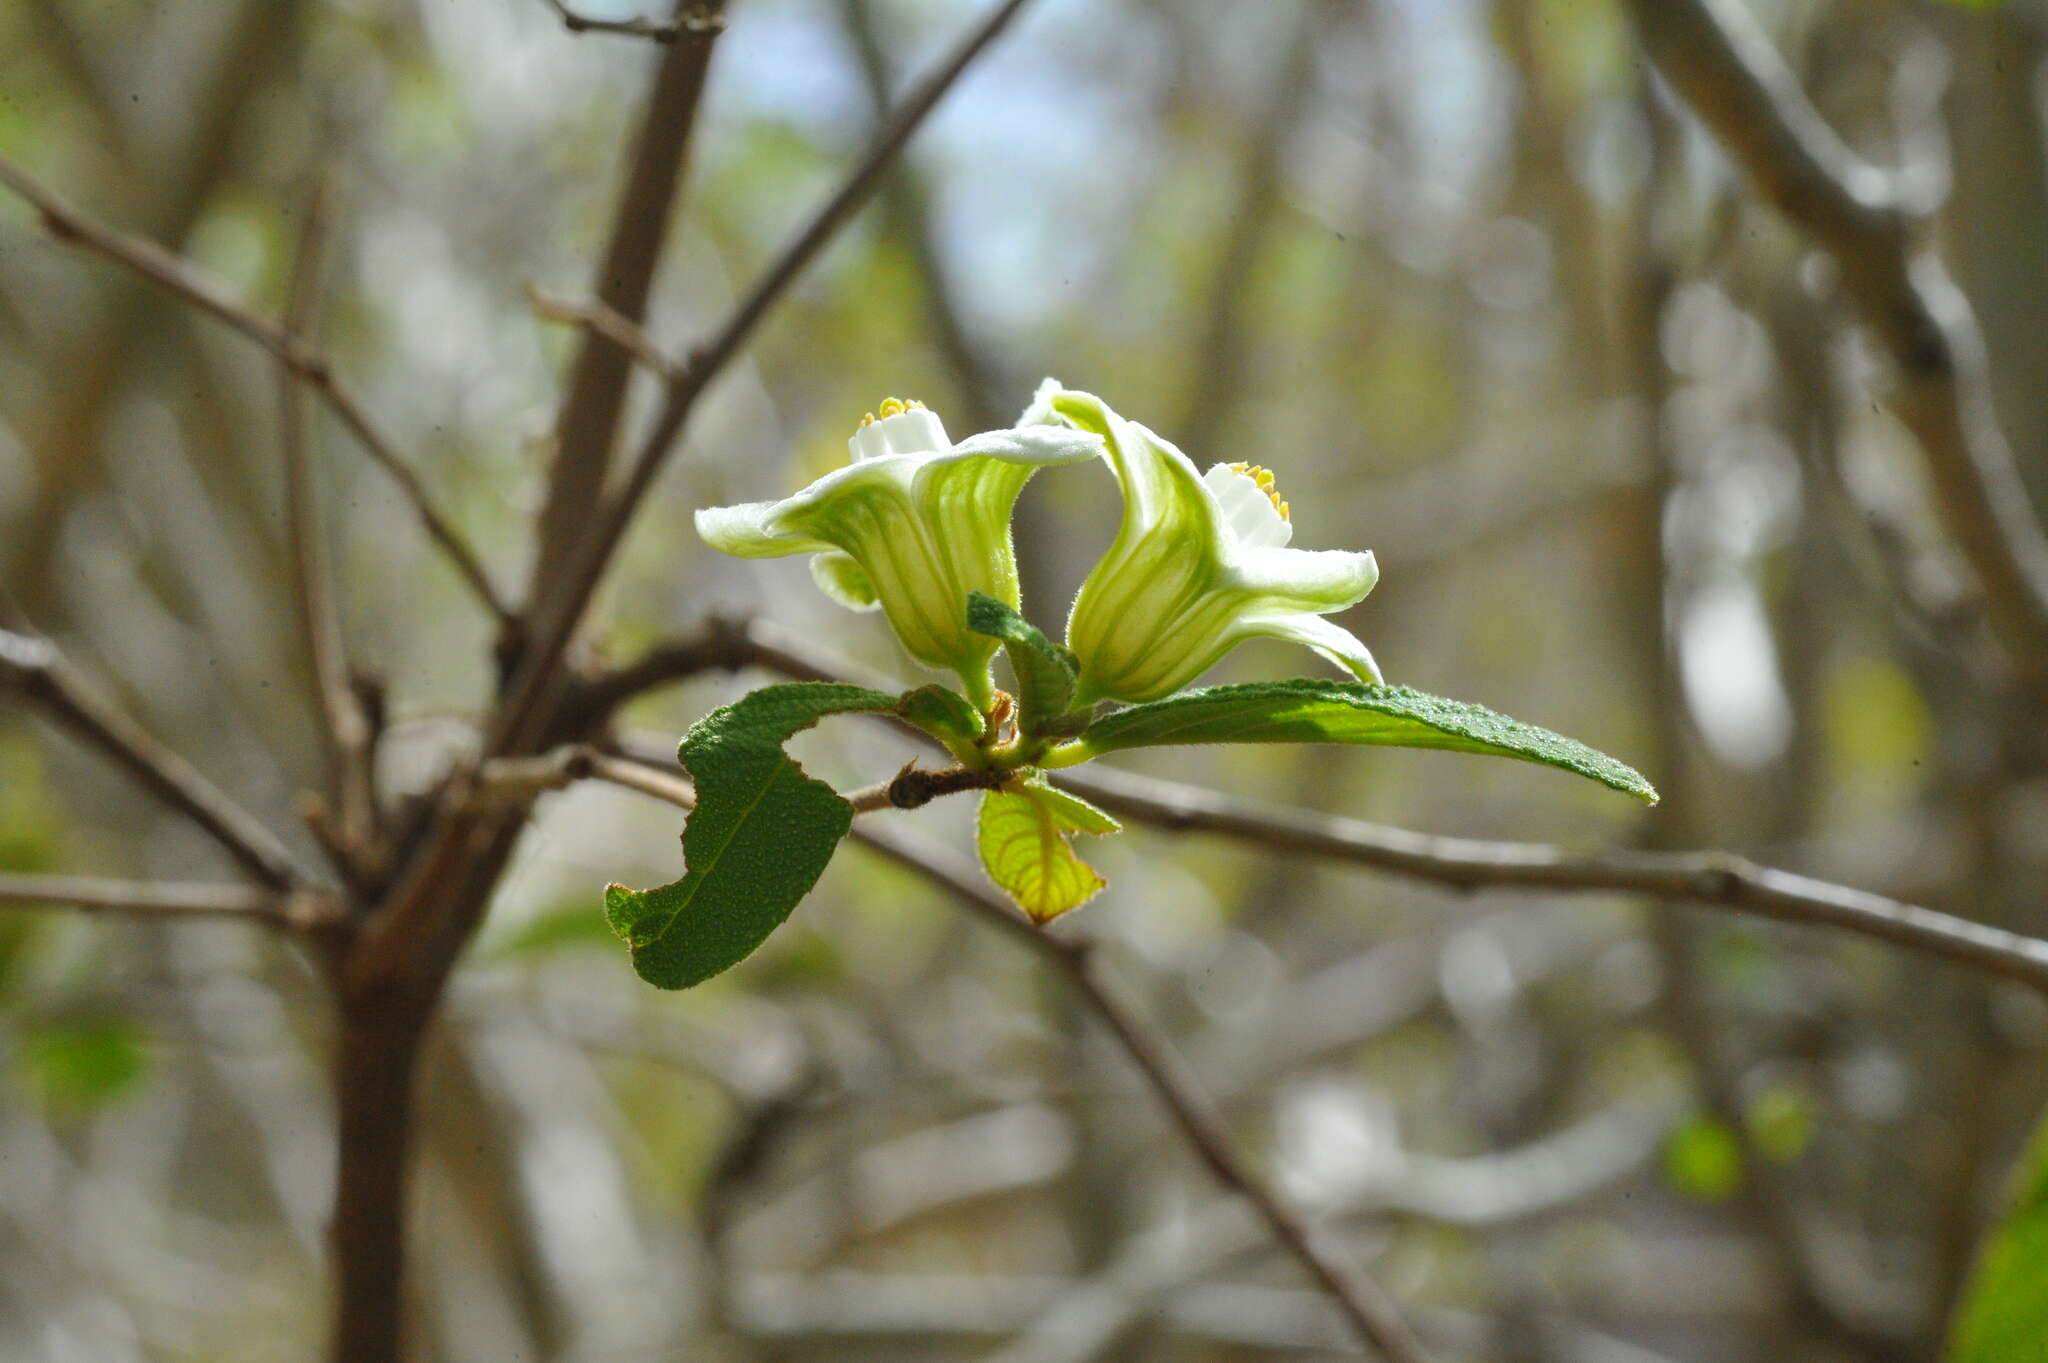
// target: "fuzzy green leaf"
[[2003, 1317], [1023, 838], [1306, 711], [1045, 671], [943, 713], [758, 840]]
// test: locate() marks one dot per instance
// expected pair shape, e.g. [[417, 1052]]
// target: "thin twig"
[[586, 433], [35, 668], [346, 731], [909, 223], [1722, 63], [517, 721], [186, 282], [1717, 879], [164, 898], [688, 20], [721, 644], [1368, 1308], [519, 779], [600, 319]]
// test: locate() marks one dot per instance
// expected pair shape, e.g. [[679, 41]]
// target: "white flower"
[[911, 526], [1199, 565]]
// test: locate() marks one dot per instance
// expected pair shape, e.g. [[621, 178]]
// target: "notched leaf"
[[760, 836]]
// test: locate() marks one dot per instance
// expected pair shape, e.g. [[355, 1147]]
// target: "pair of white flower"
[[1198, 565]]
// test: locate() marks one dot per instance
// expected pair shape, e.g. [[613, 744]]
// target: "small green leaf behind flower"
[[759, 838], [943, 713], [1025, 839], [1309, 711], [1045, 671]]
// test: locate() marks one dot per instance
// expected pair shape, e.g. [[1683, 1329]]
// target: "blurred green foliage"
[[75, 1066], [1703, 1160]]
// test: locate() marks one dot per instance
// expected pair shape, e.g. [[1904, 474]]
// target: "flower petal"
[[1293, 580], [845, 581], [1333, 641], [1035, 445], [750, 530], [1163, 492], [793, 525]]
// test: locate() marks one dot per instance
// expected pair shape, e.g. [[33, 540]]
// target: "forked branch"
[[1724, 66], [35, 669], [187, 282], [166, 899], [517, 722]]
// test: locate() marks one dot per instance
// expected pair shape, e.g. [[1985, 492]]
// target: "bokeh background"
[[1458, 271]]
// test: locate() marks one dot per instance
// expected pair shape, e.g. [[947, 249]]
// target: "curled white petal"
[[1333, 641], [1248, 511], [752, 530], [1305, 579]]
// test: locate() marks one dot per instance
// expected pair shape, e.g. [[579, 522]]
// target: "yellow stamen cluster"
[[892, 407], [1264, 478]]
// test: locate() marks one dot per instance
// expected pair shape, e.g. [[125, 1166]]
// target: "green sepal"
[[1311, 711], [2004, 1310], [1023, 837], [943, 713], [1045, 671], [760, 836]]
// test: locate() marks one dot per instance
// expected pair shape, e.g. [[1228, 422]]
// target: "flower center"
[[893, 407], [1253, 514], [1264, 478], [901, 428]]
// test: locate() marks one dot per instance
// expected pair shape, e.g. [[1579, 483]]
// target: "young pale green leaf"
[[1045, 671], [1023, 838], [1306, 711], [1075, 812], [759, 838], [2004, 1312], [943, 713]]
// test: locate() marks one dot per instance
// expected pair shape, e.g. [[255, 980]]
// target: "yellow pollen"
[[1264, 478], [892, 407]]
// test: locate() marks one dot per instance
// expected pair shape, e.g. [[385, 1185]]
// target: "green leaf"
[[1305, 711], [1073, 811], [84, 1063], [759, 838], [1703, 1160], [2003, 1317], [943, 713], [1023, 838], [1045, 671]]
